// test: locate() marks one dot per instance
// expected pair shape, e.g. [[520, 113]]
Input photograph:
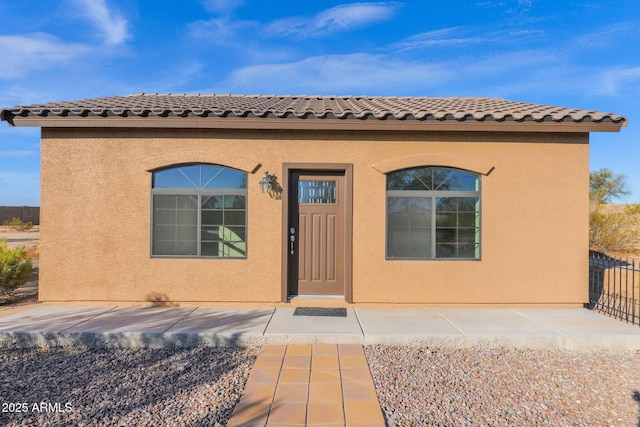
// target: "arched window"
[[199, 210], [433, 213]]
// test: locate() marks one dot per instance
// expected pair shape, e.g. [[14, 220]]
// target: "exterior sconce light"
[[265, 182]]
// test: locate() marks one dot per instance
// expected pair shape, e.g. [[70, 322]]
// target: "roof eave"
[[310, 124]]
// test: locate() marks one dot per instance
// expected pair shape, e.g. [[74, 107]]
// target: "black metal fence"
[[614, 287]]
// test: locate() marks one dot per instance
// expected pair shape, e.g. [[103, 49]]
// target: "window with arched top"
[[433, 213], [199, 210]]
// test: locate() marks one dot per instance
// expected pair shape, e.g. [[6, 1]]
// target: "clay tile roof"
[[312, 107]]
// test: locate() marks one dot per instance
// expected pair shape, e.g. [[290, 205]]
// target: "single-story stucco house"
[[214, 199]]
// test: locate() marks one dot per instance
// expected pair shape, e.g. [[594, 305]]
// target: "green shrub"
[[15, 268], [17, 224], [614, 231]]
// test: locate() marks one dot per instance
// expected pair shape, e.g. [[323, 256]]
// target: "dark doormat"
[[320, 311]]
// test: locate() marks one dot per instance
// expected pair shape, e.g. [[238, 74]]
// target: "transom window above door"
[[433, 213], [199, 210]]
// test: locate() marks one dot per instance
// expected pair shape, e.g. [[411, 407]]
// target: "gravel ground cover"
[[505, 387], [122, 387]]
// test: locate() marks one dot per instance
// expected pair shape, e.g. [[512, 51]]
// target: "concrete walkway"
[[115, 326]]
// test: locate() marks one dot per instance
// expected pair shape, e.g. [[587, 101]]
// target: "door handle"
[[292, 239]]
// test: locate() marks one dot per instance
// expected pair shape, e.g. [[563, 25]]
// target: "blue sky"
[[582, 54]]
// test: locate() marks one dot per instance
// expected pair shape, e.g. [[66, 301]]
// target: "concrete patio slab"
[[99, 326], [217, 326], [134, 319], [224, 320], [50, 318], [578, 321], [403, 325], [285, 328], [490, 321]]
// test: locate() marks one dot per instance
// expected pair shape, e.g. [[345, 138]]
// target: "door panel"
[[318, 217]]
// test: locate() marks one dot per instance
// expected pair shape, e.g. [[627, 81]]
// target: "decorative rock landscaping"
[[500, 387]]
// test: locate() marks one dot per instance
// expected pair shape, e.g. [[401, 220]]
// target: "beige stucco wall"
[[95, 218]]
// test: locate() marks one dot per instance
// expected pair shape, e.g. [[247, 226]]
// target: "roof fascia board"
[[312, 124]]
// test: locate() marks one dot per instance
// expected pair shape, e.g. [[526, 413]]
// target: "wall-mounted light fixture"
[[269, 185], [265, 182]]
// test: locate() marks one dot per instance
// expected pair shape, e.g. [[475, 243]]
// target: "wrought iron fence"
[[614, 287]]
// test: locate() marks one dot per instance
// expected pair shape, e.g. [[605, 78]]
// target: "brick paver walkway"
[[309, 385]]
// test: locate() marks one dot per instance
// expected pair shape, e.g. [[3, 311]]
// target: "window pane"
[[235, 202], [182, 222], [410, 179], [234, 217], [209, 234], [212, 218], [165, 217], [171, 178], [175, 225], [409, 227], [455, 230], [451, 250], [467, 235], [164, 247], [187, 217], [223, 241], [187, 202], [468, 204], [239, 233], [232, 245], [175, 202], [186, 233], [164, 232], [447, 219], [455, 180], [467, 219], [164, 202], [457, 226], [419, 209], [317, 192], [446, 250], [186, 248], [225, 178], [199, 176], [433, 178], [467, 251], [445, 235], [409, 243], [210, 249], [212, 202], [396, 212], [409, 211]]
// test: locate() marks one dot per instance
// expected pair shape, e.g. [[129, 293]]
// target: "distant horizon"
[[579, 55]]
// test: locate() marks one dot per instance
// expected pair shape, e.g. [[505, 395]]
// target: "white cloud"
[[464, 37], [36, 51], [337, 19], [108, 23], [500, 74], [436, 38], [509, 6], [606, 37], [222, 6], [221, 31], [615, 80], [339, 74], [18, 154]]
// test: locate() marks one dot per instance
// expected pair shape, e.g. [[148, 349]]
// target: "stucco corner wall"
[[95, 226]]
